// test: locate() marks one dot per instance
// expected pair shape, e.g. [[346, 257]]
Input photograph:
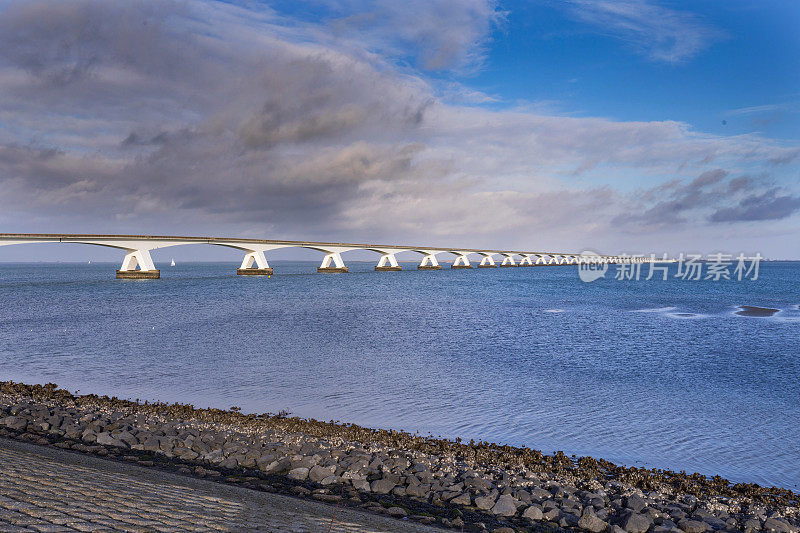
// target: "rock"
[[230, 462], [551, 514], [702, 514], [597, 503], [462, 499], [503, 529], [506, 506], [568, 520], [300, 473], [306, 462], [360, 484], [330, 480], [534, 512], [188, 455], [397, 512], [127, 437], [449, 495], [318, 473], [382, 486], [245, 461], [692, 526], [15, 422], [781, 526], [484, 503], [636, 523], [715, 523], [151, 444], [276, 467], [106, 439], [635, 502], [590, 522], [540, 494], [88, 436], [752, 524], [709, 518], [418, 491], [676, 513]]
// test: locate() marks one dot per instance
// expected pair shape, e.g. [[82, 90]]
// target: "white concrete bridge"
[[138, 264]]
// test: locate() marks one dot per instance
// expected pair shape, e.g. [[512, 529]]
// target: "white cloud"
[[658, 32], [438, 34]]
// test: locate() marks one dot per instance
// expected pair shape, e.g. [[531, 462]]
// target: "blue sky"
[[545, 53], [737, 78], [632, 125]]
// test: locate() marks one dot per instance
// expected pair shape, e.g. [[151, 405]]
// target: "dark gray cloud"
[[676, 199], [769, 205], [738, 199]]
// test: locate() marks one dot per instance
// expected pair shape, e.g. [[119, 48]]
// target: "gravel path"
[[49, 490]]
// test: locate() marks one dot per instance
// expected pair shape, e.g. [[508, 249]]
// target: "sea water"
[[644, 373]]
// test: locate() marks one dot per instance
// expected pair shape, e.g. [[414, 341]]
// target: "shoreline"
[[449, 483]]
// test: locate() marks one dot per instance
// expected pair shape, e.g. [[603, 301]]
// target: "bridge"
[[138, 264]]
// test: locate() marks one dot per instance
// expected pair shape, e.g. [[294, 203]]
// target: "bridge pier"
[[486, 262], [338, 264], [261, 267], [462, 261], [525, 261], [142, 259], [508, 261], [429, 262], [138, 274], [388, 263]]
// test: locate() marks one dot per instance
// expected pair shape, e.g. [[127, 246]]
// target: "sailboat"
[[173, 262]]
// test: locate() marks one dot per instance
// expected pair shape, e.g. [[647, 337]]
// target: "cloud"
[[659, 33], [762, 116], [765, 206], [675, 199], [438, 34], [755, 110], [212, 118], [713, 196]]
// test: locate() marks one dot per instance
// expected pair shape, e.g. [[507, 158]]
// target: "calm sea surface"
[[654, 373]]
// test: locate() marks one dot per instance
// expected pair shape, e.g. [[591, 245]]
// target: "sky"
[[636, 126]]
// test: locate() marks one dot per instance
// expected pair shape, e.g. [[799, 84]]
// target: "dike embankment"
[[466, 486]]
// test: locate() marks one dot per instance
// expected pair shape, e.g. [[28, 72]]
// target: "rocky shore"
[[452, 484]]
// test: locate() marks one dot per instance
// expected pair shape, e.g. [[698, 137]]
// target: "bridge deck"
[[69, 237]]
